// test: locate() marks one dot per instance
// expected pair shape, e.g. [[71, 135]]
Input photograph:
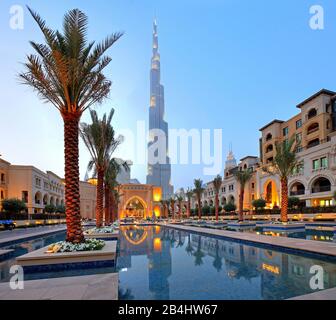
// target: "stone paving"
[[319, 247], [94, 287], [329, 294]]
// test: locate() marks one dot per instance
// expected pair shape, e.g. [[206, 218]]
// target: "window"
[[298, 124], [25, 196], [269, 160], [269, 137], [312, 113], [313, 128], [269, 148], [298, 138], [298, 270], [2, 196], [2, 178], [313, 143], [299, 149], [320, 163], [316, 164], [324, 163], [253, 185], [253, 197], [285, 132]]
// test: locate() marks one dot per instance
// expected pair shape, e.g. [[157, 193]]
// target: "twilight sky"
[[226, 64]]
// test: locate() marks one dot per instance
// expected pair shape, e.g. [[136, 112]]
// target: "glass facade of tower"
[[159, 174]]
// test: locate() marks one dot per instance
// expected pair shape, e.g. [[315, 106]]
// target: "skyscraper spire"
[[159, 174]]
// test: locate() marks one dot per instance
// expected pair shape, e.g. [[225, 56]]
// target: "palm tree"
[[189, 195], [172, 206], [180, 201], [110, 185], [283, 165], [217, 263], [189, 247], [99, 138], [165, 205], [217, 183], [198, 191], [199, 254], [67, 71], [242, 177]]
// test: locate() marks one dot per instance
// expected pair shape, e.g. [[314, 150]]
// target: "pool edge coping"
[[260, 240]]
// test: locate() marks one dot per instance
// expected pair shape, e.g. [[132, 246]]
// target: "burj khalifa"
[[159, 170]]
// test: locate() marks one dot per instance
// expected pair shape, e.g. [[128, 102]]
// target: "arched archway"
[[232, 199], [38, 198], [45, 199], [134, 235], [271, 194], [297, 189], [321, 184], [223, 201], [135, 208]]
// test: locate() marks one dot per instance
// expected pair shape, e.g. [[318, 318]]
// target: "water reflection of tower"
[[159, 266]]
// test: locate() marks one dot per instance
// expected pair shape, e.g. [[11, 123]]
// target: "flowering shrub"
[[99, 230], [88, 245]]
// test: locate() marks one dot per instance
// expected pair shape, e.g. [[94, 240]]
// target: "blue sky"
[[227, 64]]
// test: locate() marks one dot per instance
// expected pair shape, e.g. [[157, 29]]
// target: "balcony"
[[297, 193], [320, 189]]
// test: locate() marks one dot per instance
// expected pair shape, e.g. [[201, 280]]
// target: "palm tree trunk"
[[173, 210], [100, 198], [107, 205], [217, 204], [241, 204], [188, 209], [284, 200], [111, 207], [199, 209], [72, 195]]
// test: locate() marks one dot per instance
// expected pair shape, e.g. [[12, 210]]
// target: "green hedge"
[[312, 210]]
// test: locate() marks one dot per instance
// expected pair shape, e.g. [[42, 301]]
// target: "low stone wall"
[[303, 216], [36, 223]]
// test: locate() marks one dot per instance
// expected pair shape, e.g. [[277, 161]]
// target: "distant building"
[[314, 129], [159, 174], [314, 182], [31, 185]]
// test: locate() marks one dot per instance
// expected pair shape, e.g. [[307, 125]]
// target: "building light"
[[157, 194], [157, 245], [270, 268]]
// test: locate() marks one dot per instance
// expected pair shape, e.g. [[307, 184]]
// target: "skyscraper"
[[159, 173]]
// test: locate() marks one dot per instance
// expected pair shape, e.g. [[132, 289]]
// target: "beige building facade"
[[314, 182], [31, 185]]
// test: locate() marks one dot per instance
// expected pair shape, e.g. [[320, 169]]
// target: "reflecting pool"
[[158, 263]]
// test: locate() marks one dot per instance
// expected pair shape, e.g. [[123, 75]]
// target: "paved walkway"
[[94, 287], [329, 294], [19, 234], [319, 247]]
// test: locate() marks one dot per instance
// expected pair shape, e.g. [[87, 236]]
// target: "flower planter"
[[40, 260], [103, 236], [283, 226], [242, 224], [105, 233]]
